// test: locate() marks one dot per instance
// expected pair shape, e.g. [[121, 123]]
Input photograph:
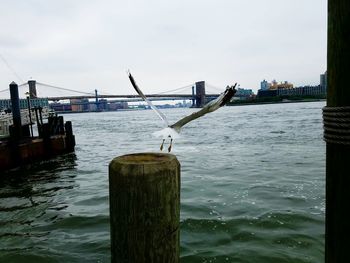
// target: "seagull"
[[172, 131]]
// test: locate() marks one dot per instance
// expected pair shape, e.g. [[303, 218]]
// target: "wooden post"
[[70, 138], [16, 111], [338, 155], [144, 194]]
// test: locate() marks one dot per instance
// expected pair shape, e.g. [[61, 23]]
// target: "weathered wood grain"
[[145, 208]]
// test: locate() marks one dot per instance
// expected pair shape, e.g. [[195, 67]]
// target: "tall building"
[[264, 85], [323, 80]]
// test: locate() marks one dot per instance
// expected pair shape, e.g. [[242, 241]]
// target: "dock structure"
[[22, 148], [144, 195], [336, 116]]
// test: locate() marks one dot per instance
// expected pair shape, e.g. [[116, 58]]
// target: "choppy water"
[[253, 180]]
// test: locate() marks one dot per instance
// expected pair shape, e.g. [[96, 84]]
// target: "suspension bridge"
[[199, 93]]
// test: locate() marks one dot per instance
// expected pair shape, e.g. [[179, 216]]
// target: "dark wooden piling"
[[144, 192], [337, 132], [16, 111], [70, 138]]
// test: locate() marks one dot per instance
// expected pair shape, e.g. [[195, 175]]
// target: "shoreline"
[[274, 102], [229, 104]]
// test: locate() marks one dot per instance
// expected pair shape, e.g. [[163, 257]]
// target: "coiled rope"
[[336, 123]]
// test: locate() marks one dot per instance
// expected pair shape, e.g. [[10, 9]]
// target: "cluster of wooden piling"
[[22, 147]]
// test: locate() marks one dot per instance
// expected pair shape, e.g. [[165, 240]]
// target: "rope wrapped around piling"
[[336, 123]]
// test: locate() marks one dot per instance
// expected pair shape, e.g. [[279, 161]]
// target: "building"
[[274, 85], [113, 106], [302, 91], [85, 104], [243, 94], [271, 89], [285, 85], [61, 107], [287, 89], [267, 93], [23, 103], [264, 85], [323, 80], [102, 104], [77, 105]]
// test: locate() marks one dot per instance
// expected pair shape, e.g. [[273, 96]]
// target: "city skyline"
[[88, 44]]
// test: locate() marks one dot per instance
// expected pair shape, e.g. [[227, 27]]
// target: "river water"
[[252, 189]]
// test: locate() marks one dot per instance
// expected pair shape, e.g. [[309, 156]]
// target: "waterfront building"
[[61, 107], [77, 105], [264, 85], [85, 104], [92, 107], [23, 103], [274, 85], [323, 80], [285, 85], [267, 93], [102, 104], [243, 94], [287, 89], [303, 91]]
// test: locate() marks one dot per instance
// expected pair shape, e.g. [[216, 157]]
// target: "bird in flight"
[[172, 131]]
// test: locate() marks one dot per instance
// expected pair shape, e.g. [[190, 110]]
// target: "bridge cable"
[[10, 68], [101, 92], [60, 88], [8, 89], [213, 87], [181, 88]]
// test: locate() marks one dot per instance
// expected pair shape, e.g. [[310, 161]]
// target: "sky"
[[86, 45]]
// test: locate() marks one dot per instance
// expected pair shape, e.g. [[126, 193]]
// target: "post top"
[[13, 83], [144, 158]]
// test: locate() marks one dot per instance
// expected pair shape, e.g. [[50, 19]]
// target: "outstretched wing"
[[209, 107], [159, 113]]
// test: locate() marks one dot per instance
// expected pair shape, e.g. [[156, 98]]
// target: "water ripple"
[[252, 187]]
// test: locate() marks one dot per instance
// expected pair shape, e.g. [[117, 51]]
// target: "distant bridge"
[[198, 94], [149, 96]]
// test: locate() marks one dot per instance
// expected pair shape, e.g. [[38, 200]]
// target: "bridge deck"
[[151, 96]]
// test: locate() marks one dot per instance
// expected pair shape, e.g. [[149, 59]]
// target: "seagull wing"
[[209, 107], [159, 113]]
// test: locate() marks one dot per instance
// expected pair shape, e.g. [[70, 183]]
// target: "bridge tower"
[[16, 111], [32, 89], [200, 94], [96, 101]]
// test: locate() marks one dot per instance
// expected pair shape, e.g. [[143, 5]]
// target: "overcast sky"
[[87, 45]]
